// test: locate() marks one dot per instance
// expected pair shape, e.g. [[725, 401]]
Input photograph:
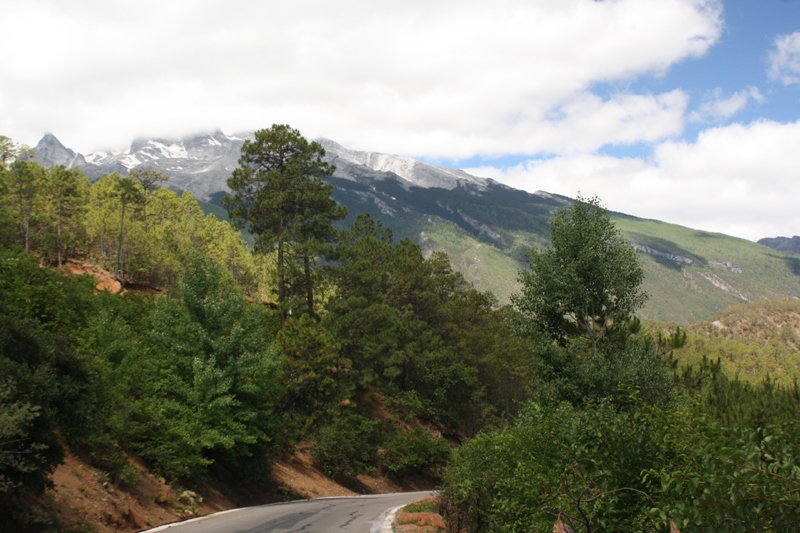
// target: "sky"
[[686, 111]]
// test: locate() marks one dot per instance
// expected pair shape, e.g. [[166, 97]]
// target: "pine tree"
[[279, 197], [67, 194]]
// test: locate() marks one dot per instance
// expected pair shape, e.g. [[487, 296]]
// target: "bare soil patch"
[[104, 280], [84, 495], [300, 474]]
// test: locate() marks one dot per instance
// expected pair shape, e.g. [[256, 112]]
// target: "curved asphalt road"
[[356, 514]]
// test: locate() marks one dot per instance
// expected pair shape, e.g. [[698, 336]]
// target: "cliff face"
[[50, 152]]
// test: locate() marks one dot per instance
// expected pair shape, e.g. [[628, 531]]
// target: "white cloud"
[[784, 59], [738, 179], [444, 79], [717, 107]]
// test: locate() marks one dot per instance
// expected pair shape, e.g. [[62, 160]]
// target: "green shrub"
[[414, 451], [422, 506], [348, 446]]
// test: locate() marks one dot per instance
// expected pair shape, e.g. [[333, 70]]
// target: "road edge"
[[384, 526]]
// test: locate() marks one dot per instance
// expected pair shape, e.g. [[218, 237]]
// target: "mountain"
[[484, 226], [354, 165], [202, 163], [197, 163], [50, 152], [784, 244]]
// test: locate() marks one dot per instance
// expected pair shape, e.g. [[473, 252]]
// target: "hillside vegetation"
[[755, 341], [618, 436], [724, 271], [484, 226], [192, 366], [210, 361]]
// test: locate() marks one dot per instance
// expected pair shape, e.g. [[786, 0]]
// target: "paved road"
[[357, 514]]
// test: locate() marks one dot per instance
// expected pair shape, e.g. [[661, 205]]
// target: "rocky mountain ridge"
[[201, 163], [783, 244], [351, 164]]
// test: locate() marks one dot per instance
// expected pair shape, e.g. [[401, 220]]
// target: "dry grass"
[[420, 519], [417, 517]]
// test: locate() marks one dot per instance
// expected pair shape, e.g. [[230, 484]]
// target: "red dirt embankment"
[[85, 496]]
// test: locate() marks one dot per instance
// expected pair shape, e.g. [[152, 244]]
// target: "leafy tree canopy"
[[587, 283]]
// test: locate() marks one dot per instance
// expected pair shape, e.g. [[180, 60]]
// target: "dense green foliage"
[[196, 375], [382, 355], [621, 439], [142, 233], [587, 282], [44, 380], [416, 329], [189, 381], [278, 196], [210, 384], [434, 347]]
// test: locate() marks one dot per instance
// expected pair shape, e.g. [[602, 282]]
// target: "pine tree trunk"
[[28, 209], [309, 288], [281, 284], [120, 273], [58, 232]]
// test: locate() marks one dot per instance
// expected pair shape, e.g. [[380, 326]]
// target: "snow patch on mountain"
[[415, 173], [201, 163]]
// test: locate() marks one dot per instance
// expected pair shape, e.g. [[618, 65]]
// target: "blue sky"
[[687, 111], [738, 61]]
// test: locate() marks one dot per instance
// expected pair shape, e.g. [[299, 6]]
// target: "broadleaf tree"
[[587, 282], [279, 197]]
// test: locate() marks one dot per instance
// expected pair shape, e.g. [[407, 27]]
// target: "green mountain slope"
[[691, 275], [487, 227], [723, 271]]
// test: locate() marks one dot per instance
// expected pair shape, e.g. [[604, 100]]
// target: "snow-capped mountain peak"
[[201, 163]]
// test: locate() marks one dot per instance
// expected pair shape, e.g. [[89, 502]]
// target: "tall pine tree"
[[279, 197]]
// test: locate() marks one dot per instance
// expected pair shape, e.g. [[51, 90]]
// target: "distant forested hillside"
[[755, 341]]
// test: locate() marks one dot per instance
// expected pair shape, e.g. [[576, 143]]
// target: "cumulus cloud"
[[717, 107], [736, 179], [784, 59], [441, 79]]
